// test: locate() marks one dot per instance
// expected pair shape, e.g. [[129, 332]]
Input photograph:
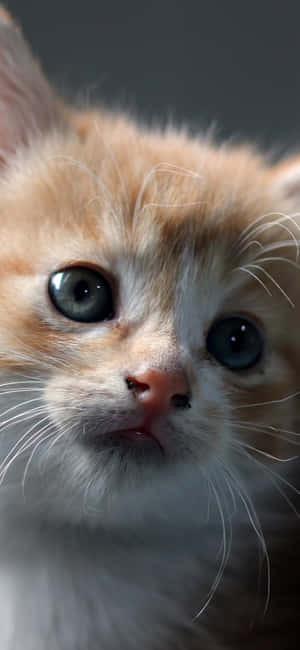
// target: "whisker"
[[26, 415], [264, 453], [17, 383], [256, 525], [286, 260], [224, 553], [278, 223], [277, 245], [272, 477], [20, 390], [253, 275], [36, 443], [44, 438], [16, 445], [31, 413], [270, 277], [272, 401], [116, 166], [269, 470], [61, 433], [94, 177], [13, 408], [266, 431], [250, 226], [171, 205], [253, 228], [26, 445], [160, 168], [184, 170], [8, 461], [253, 242], [256, 426]]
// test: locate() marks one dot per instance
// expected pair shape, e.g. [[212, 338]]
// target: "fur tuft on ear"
[[285, 181], [28, 104]]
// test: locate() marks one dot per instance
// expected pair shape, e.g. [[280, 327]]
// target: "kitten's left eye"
[[81, 294], [235, 342]]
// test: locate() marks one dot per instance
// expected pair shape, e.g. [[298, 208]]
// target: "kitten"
[[150, 371]]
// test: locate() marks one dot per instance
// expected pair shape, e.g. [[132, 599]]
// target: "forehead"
[[160, 201]]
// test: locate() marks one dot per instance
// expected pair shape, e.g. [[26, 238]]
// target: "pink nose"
[[157, 390]]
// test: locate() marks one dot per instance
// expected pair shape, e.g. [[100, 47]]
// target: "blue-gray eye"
[[81, 294], [235, 342]]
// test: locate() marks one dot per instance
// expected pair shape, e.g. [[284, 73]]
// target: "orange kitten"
[[150, 376]]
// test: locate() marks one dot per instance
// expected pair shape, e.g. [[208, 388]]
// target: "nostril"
[[133, 384], [180, 401], [130, 383]]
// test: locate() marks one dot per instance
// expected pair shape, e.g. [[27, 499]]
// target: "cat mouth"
[[137, 437]]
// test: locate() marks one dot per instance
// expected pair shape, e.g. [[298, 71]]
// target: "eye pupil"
[[81, 294], [81, 290], [237, 339], [235, 342]]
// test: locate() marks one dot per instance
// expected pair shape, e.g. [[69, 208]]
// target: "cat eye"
[[81, 294], [235, 342]]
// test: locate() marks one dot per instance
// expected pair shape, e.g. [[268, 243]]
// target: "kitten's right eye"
[[81, 294], [235, 342]]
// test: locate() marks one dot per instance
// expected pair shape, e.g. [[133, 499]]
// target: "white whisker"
[[160, 168], [274, 477], [83, 167], [279, 259], [26, 445], [270, 277], [20, 440], [116, 165], [171, 205], [253, 229], [272, 401], [253, 275], [256, 525], [225, 549], [278, 223], [265, 453], [37, 442], [43, 439]]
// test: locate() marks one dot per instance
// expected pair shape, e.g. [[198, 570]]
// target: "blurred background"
[[234, 64]]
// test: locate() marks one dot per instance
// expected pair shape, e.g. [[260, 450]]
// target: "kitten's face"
[[148, 291]]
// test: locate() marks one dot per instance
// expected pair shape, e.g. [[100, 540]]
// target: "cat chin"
[[73, 478], [74, 485], [75, 482], [69, 483]]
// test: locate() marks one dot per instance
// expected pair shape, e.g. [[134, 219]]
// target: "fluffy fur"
[[105, 549]]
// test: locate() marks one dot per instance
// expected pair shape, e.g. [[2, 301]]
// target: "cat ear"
[[286, 181], [28, 104]]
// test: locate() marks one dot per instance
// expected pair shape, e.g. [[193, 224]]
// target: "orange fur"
[[53, 213], [183, 229]]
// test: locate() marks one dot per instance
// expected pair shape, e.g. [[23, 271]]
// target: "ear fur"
[[28, 104]]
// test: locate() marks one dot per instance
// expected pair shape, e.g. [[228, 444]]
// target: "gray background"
[[234, 64]]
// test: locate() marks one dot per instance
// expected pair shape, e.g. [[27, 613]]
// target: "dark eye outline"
[[249, 320], [92, 267]]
